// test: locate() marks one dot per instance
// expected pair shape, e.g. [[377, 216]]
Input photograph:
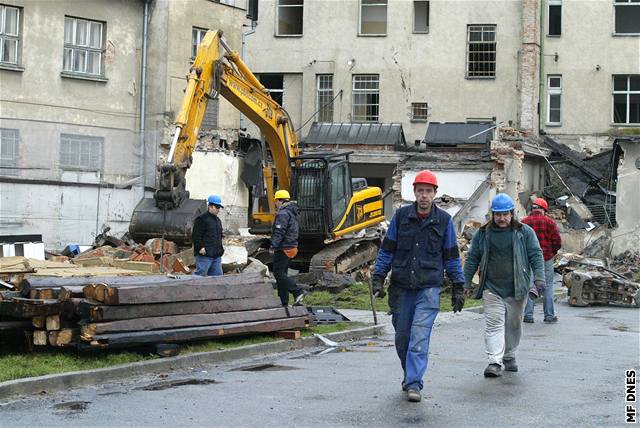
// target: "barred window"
[[626, 98], [9, 34], [419, 111], [324, 99], [366, 98], [481, 51], [83, 46], [9, 139], [81, 152]]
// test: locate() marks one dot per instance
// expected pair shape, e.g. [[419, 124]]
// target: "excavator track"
[[346, 255]]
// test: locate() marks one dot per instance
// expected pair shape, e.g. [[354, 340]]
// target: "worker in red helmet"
[[419, 247], [550, 242]]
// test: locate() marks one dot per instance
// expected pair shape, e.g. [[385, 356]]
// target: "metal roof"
[[378, 134], [457, 133]]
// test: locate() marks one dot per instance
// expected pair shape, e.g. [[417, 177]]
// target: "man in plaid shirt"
[[550, 242]]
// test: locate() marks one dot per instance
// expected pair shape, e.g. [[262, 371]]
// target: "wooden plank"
[[81, 281], [290, 334], [39, 322], [64, 337], [194, 320], [198, 288], [40, 337], [53, 322], [93, 311], [194, 333], [26, 308], [15, 325]]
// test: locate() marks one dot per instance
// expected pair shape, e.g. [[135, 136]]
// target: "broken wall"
[[627, 235]]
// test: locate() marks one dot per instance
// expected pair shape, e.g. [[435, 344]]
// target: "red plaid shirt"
[[547, 232]]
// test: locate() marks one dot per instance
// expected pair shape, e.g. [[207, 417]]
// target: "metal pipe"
[[143, 94]]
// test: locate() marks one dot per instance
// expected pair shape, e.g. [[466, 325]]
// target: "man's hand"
[[540, 286], [468, 292], [377, 286], [202, 251], [457, 297]]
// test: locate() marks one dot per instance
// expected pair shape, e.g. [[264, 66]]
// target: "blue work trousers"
[[413, 314], [547, 301], [208, 266]]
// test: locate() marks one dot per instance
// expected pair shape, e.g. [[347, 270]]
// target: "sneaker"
[[414, 395], [510, 365], [551, 319], [528, 320], [299, 299], [493, 370]]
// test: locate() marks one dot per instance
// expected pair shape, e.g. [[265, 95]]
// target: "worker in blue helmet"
[[207, 239], [505, 251]]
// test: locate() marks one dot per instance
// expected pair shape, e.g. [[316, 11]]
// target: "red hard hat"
[[426, 177], [541, 203]]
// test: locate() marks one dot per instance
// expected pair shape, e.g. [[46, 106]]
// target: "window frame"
[[323, 96], [86, 48], [425, 108], [628, 92], [554, 3], [11, 37], [277, 25], [361, 15], [422, 31], [484, 28], [553, 91], [367, 91], [195, 44], [78, 166], [8, 165], [624, 3]]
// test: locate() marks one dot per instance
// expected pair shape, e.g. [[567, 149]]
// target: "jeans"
[[208, 266], [413, 313], [285, 284], [547, 302], [503, 328]]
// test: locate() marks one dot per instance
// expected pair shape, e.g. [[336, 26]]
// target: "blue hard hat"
[[502, 203], [215, 200]]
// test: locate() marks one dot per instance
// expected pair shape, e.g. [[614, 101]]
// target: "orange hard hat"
[[541, 203], [426, 177]]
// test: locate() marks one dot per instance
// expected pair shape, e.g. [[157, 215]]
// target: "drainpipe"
[[243, 119], [541, 77], [143, 94]]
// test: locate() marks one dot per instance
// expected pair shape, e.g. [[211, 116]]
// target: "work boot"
[[414, 395], [493, 370], [528, 320], [510, 364], [550, 320]]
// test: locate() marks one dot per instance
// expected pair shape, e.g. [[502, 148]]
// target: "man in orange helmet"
[[550, 242], [419, 247]]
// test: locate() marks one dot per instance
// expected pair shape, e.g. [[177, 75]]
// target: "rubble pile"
[[627, 264]]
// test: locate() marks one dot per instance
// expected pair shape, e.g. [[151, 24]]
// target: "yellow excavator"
[[333, 206]]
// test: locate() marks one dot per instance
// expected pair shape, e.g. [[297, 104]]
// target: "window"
[[275, 84], [554, 98], [289, 17], [627, 16], [626, 99], [324, 99], [197, 34], [373, 17], [9, 34], [419, 111], [555, 18], [481, 51], [83, 46], [8, 150], [420, 16], [340, 188], [366, 98], [80, 152]]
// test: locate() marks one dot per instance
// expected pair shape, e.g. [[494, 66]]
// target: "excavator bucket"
[[149, 221]]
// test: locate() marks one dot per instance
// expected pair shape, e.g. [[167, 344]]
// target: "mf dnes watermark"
[[630, 397]]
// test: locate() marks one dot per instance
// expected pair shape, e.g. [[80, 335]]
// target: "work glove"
[[536, 289], [540, 286], [377, 286], [457, 297]]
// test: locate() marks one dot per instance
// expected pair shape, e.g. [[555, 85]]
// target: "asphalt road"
[[571, 374]]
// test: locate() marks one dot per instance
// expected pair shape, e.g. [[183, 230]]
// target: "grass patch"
[[40, 362], [356, 296]]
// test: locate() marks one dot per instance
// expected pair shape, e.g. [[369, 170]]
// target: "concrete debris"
[[234, 258], [255, 265], [628, 264], [324, 281]]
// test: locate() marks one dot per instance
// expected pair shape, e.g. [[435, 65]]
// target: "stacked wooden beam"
[[126, 314]]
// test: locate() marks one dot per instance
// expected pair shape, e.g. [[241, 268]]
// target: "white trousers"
[[503, 327]]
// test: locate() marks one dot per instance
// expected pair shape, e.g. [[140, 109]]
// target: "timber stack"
[[117, 312]]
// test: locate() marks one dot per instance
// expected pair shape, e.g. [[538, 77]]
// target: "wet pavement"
[[571, 374]]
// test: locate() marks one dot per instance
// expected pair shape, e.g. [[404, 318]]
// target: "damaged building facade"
[[76, 77], [522, 66]]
